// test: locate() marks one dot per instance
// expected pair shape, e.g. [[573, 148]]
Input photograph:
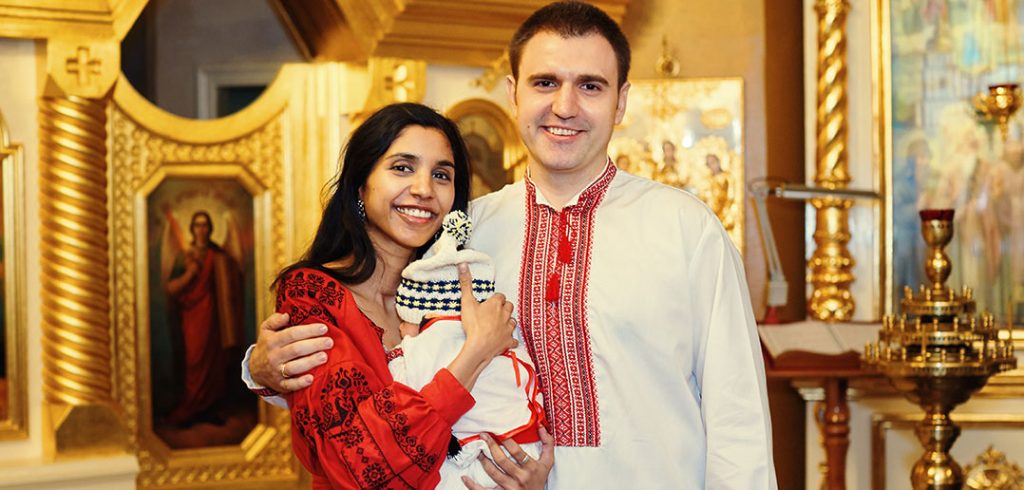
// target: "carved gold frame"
[[12, 160], [514, 152], [881, 423], [149, 145]]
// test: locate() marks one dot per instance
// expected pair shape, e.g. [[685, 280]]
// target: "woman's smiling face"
[[410, 189]]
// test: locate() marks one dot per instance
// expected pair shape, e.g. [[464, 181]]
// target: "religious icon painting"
[[202, 309], [688, 133], [943, 148], [199, 221], [496, 152]]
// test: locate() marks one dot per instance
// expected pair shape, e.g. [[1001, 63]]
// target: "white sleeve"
[[276, 400], [730, 369]]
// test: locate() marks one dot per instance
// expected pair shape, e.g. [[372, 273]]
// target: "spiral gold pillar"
[[80, 416], [831, 264]]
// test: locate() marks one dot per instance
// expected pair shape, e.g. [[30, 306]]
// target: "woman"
[[404, 169]]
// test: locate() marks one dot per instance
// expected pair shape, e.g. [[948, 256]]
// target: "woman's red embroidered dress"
[[355, 427]]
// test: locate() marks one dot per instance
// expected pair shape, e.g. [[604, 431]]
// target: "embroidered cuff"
[[264, 392], [448, 396]]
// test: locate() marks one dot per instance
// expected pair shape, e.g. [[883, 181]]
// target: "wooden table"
[[833, 374]]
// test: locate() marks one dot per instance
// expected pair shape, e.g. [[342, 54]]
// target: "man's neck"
[[558, 188]]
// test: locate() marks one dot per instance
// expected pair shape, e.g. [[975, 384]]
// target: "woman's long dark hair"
[[342, 232]]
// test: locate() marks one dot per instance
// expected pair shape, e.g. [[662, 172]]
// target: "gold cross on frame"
[[83, 65]]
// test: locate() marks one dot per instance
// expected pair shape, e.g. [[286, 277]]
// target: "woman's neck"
[[387, 273]]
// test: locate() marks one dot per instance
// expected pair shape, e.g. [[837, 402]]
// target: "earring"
[[361, 209]]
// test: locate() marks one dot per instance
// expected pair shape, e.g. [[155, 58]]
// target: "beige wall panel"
[[713, 39]]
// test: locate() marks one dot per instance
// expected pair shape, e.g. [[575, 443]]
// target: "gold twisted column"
[[831, 264], [77, 387]]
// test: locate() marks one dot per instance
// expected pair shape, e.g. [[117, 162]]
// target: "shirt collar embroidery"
[[595, 188]]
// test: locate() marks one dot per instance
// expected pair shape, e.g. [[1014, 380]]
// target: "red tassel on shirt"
[[551, 292]]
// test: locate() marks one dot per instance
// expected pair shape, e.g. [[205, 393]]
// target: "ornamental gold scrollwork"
[[494, 73], [831, 263], [992, 471], [393, 80]]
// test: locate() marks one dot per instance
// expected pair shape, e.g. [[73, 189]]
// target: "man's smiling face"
[[566, 102]]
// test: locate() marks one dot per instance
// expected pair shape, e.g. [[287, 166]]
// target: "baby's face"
[[407, 329]]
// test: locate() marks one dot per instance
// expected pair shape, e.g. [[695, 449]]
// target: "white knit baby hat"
[[431, 284]]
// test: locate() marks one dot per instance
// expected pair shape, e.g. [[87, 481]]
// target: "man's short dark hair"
[[571, 19]]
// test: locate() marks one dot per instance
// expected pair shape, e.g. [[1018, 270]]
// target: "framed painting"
[[13, 418], [496, 153], [935, 60], [199, 228], [202, 310], [688, 133]]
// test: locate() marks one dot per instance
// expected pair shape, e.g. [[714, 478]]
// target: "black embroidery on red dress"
[[553, 297], [338, 419], [311, 294], [399, 423], [314, 295]]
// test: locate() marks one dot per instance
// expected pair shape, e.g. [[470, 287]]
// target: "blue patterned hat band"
[[431, 284]]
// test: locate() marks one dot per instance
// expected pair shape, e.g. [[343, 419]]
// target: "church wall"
[[714, 39], [449, 84], [21, 461], [201, 40]]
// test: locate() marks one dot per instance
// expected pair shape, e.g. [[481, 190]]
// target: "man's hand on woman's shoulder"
[[282, 354]]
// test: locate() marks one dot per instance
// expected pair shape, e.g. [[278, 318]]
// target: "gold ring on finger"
[[284, 373]]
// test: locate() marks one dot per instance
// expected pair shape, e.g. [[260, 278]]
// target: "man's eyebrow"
[[592, 79], [542, 76], [587, 78]]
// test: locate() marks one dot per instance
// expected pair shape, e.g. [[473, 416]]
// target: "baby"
[[508, 400]]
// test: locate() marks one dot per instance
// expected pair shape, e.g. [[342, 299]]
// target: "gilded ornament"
[[77, 387], [83, 68], [992, 471], [831, 263]]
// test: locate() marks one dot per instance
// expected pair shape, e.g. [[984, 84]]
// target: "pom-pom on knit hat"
[[431, 284]]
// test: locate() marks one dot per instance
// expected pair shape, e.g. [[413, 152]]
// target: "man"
[[632, 299]]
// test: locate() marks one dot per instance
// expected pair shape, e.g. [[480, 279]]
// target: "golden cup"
[[999, 105]]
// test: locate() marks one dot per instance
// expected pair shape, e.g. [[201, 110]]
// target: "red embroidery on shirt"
[[393, 354], [552, 304]]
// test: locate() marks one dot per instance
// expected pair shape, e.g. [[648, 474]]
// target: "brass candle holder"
[[999, 105], [938, 353]]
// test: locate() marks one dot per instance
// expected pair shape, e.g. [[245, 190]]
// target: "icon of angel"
[[204, 283]]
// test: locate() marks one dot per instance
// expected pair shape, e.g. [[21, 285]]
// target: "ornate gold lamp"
[[999, 105], [938, 352]]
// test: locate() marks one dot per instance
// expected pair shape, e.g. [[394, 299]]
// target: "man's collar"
[[593, 188]]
